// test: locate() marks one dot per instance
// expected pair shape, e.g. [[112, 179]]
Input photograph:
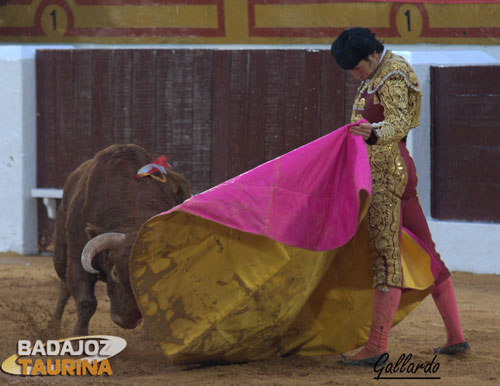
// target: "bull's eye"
[[114, 274]]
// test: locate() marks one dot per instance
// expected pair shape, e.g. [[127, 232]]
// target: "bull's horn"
[[98, 244]]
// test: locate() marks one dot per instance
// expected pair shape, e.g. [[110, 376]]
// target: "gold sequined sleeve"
[[401, 110]]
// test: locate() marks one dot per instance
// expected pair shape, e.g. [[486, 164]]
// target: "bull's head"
[[113, 268]]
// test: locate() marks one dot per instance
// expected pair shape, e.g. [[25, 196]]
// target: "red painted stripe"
[[19, 2], [484, 32], [252, 30], [253, 2], [18, 31], [313, 32], [129, 2], [144, 32], [221, 14], [285, 2], [148, 2]]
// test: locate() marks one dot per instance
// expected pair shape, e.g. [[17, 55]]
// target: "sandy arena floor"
[[29, 289]]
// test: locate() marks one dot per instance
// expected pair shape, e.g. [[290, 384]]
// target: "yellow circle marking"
[[409, 22], [54, 21]]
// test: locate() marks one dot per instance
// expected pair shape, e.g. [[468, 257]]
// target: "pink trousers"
[[412, 215]]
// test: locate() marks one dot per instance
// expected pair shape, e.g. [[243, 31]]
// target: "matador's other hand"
[[363, 129]]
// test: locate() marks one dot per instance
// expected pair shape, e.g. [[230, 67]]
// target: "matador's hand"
[[363, 129]]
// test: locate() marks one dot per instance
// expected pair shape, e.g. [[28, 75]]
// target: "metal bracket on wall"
[[49, 198]]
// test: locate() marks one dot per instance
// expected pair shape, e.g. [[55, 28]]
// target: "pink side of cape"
[[307, 198]]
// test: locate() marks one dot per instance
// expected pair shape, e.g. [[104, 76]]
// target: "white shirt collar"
[[382, 56]]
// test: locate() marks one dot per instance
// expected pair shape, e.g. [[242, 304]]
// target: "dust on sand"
[[28, 292]]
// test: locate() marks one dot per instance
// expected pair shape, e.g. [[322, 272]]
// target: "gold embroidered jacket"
[[390, 101], [395, 92]]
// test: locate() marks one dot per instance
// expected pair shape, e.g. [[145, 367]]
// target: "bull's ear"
[[93, 230], [179, 185]]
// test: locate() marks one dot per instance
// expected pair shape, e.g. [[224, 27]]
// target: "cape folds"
[[272, 262]]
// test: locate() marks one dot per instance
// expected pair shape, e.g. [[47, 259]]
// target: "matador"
[[389, 99]]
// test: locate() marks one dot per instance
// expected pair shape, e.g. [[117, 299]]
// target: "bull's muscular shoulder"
[[105, 192], [393, 64]]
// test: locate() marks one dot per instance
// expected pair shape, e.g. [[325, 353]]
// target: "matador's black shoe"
[[378, 360], [455, 349]]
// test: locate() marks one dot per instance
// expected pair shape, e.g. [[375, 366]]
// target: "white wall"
[[17, 150], [464, 246], [469, 247]]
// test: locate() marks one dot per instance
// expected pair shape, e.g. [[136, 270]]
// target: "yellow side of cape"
[[212, 293]]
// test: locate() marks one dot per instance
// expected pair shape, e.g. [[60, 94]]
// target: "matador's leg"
[[384, 227], [389, 179], [443, 292], [413, 216]]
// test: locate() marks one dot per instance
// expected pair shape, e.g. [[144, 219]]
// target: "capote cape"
[[272, 262]]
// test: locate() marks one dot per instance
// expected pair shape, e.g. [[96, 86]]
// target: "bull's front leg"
[[81, 285]]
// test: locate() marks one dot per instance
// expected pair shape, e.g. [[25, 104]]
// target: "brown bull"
[[102, 208]]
